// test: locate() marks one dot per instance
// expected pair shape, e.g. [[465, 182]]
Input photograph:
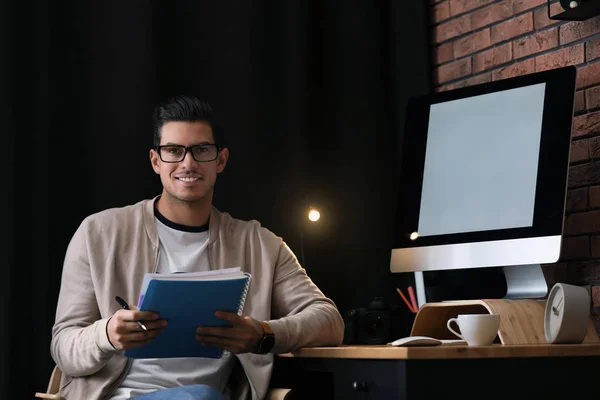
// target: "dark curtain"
[[312, 94]]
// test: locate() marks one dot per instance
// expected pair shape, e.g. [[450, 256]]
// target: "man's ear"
[[155, 161], [222, 159]]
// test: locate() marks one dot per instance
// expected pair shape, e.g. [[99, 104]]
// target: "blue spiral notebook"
[[187, 301]]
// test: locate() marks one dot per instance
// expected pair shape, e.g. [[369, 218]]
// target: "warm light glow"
[[314, 215], [414, 236]]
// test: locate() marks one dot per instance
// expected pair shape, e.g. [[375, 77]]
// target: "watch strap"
[[267, 328], [266, 343]]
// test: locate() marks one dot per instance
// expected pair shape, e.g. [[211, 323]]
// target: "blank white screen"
[[481, 162]]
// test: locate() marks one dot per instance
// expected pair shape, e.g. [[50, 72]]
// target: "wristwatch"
[[266, 343]]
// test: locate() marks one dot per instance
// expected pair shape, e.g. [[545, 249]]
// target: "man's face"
[[188, 180]]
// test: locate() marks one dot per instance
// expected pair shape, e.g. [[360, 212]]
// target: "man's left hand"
[[242, 337]]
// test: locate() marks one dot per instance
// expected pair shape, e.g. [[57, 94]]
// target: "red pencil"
[[406, 301], [413, 299]]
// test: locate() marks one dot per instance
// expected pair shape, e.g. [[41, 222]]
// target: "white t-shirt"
[[182, 249]]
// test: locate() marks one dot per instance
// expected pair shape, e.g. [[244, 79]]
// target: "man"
[[181, 231]]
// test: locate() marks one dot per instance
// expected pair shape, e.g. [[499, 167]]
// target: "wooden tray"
[[521, 321]]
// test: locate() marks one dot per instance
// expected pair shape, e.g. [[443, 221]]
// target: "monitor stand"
[[522, 282], [525, 282]]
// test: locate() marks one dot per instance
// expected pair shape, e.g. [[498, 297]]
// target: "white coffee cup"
[[476, 329]]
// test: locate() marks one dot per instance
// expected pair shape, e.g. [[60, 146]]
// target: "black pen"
[[124, 304]]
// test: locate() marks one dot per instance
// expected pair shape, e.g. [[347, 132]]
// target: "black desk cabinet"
[[463, 379]]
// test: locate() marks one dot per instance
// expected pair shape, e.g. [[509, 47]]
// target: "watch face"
[[266, 344]]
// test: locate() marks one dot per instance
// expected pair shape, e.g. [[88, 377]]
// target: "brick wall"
[[477, 41]]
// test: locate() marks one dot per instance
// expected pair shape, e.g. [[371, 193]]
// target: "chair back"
[[53, 386]]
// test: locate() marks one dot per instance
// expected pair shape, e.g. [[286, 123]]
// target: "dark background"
[[312, 94]]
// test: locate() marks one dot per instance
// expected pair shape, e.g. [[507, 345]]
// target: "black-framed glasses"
[[173, 153]]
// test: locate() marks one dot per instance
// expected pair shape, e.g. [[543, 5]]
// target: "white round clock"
[[567, 314]]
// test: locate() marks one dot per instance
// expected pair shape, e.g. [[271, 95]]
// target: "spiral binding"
[[244, 293], [240, 307]]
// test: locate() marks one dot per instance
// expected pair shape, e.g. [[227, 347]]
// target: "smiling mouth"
[[188, 179]]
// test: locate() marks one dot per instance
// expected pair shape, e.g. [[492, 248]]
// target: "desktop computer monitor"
[[483, 180]]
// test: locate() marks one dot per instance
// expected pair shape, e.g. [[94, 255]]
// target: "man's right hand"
[[124, 332]]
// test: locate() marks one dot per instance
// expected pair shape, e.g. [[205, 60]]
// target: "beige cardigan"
[[109, 255]]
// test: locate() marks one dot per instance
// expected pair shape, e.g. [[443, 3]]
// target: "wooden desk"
[[448, 371]]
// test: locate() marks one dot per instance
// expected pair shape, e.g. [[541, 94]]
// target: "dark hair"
[[187, 109]]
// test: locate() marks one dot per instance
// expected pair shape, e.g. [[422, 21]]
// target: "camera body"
[[368, 325]]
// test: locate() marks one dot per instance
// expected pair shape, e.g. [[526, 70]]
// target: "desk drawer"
[[369, 379], [337, 378]]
